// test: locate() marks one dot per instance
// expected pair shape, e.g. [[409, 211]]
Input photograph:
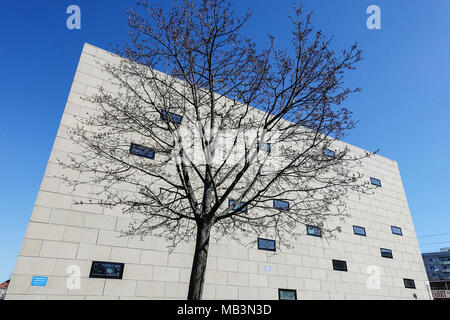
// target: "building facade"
[[440, 289], [3, 289], [437, 264], [71, 251]]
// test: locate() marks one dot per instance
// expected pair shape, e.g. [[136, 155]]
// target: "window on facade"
[[142, 151], [386, 253], [108, 270], [329, 153], [313, 231], [375, 182], [265, 147], [172, 117], [396, 230], [437, 285], [287, 294], [361, 231], [281, 205], [240, 206], [266, 244], [339, 265], [409, 283]]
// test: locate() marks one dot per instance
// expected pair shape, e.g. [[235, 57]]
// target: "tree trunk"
[[199, 263]]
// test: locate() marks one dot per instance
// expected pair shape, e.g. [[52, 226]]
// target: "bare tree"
[[237, 134]]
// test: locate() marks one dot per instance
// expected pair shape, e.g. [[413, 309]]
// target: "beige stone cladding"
[[61, 234]]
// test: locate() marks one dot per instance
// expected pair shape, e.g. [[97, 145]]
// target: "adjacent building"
[[437, 265], [71, 251], [3, 289]]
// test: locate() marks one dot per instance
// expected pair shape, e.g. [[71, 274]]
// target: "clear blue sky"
[[404, 108]]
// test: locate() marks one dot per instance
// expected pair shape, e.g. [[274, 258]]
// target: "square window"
[[339, 265], [361, 231], [386, 253], [436, 285], [142, 151], [287, 294], [175, 118], [329, 153], [108, 270], [313, 231], [266, 244], [396, 230], [240, 206], [409, 283], [281, 205], [375, 182]]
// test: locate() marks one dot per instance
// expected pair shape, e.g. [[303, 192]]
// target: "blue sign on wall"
[[39, 281]]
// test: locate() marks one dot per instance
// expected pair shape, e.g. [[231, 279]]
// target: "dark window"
[[409, 283], [265, 147], [437, 285], [281, 205], [313, 231], [142, 151], [386, 253], [397, 230], [240, 206], [375, 182], [108, 270], [339, 265], [287, 294], [175, 118], [266, 244], [359, 231], [329, 153]]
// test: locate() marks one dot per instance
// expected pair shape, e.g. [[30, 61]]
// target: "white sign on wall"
[[441, 294]]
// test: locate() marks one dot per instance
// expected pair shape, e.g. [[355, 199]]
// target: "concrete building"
[[4, 289], [376, 256], [440, 289], [437, 264]]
